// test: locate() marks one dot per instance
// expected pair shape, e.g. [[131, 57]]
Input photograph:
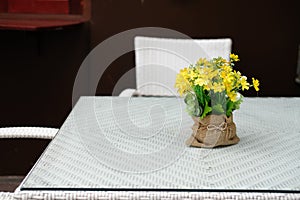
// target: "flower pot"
[[212, 131]]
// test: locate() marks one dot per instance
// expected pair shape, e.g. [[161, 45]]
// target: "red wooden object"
[[43, 14], [39, 6], [76, 6], [36, 24], [3, 5]]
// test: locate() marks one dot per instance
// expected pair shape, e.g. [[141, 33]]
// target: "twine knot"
[[221, 127]]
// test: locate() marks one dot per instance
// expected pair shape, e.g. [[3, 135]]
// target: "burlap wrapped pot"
[[213, 131]]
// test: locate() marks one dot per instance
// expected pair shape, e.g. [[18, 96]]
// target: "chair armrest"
[[129, 92], [6, 195], [28, 132]]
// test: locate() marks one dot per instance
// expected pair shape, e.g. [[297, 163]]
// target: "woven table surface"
[[116, 143]]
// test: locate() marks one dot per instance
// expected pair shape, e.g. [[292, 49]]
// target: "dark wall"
[[37, 74], [19, 155], [265, 34]]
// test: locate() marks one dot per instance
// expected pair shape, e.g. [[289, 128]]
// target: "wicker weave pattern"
[[89, 150], [6, 196], [158, 60], [152, 195], [28, 132]]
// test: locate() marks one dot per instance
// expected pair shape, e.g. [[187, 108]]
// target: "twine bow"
[[221, 127]]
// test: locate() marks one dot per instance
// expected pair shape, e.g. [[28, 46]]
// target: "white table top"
[[113, 143]]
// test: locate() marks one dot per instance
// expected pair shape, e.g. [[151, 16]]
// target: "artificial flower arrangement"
[[211, 93]]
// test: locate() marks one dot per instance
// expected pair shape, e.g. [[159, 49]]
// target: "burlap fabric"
[[213, 131]]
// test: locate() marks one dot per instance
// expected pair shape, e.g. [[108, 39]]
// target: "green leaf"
[[192, 105], [207, 97], [207, 109], [200, 95], [218, 109], [197, 112], [229, 108], [238, 103], [188, 97]]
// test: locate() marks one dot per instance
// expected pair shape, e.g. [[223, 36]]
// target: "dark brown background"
[[37, 69]]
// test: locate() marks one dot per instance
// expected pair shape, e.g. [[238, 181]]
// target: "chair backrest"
[[158, 60]]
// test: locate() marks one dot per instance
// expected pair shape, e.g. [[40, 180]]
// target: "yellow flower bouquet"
[[211, 93]]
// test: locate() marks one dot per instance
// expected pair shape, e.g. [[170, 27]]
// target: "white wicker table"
[[117, 147]]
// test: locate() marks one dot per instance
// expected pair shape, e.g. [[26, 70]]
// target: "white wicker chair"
[[158, 60], [25, 132], [28, 132], [6, 196]]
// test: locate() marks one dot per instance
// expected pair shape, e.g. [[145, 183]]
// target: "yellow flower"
[[201, 81], [223, 74], [228, 86], [192, 75], [224, 60], [202, 61], [208, 86], [218, 87], [232, 96], [229, 78], [226, 68], [244, 83], [182, 84], [213, 74], [184, 72], [255, 84], [234, 57], [237, 74], [207, 70]]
